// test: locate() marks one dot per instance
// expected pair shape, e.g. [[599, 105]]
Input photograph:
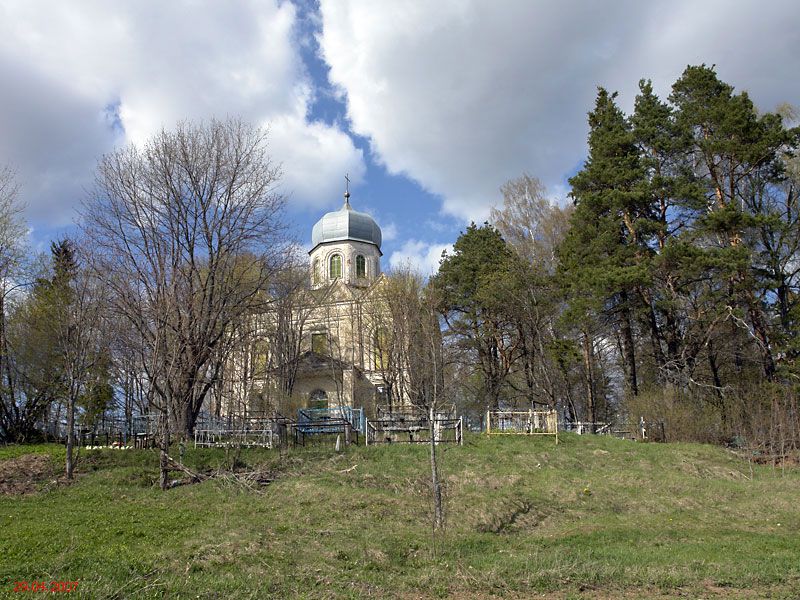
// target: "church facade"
[[341, 361], [335, 331]]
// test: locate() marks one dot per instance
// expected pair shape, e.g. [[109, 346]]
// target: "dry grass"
[[589, 518], [26, 474]]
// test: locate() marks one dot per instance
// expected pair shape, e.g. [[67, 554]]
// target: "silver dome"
[[346, 224]]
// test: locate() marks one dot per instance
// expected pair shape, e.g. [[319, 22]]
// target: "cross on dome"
[[346, 224]]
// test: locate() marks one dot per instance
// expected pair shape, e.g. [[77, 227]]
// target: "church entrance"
[[318, 399]]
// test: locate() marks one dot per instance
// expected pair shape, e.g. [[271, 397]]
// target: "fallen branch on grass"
[[174, 465], [250, 480]]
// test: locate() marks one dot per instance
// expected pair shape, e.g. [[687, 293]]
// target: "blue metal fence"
[[330, 420]]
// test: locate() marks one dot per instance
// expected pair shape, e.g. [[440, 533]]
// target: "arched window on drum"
[[335, 266]]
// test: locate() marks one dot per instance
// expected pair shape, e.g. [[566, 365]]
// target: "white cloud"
[[559, 193], [315, 157], [421, 256], [440, 224], [462, 95], [82, 77], [389, 232]]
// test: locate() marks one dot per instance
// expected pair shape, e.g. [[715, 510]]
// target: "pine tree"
[[606, 253], [737, 157], [471, 284]]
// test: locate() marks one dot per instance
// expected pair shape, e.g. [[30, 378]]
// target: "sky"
[[428, 106]]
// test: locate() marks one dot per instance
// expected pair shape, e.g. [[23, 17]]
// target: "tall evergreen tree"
[[606, 253], [737, 156], [470, 287]]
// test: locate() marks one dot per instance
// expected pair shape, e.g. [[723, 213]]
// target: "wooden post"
[[488, 423], [555, 419]]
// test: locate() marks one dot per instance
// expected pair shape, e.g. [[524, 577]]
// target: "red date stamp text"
[[45, 586]]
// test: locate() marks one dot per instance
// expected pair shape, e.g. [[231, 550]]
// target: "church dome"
[[346, 224]]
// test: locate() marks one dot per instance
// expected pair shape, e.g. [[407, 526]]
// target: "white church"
[[342, 326]]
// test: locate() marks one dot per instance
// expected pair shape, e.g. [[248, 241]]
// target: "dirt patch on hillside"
[[25, 474]]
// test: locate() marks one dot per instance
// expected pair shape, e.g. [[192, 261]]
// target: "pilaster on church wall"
[[349, 257]]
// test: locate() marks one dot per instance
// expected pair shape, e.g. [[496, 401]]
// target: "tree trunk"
[[656, 338], [438, 515], [128, 405], [164, 456], [712, 364], [760, 330], [186, 418], [70, 434], [587, 363], [628, 347]]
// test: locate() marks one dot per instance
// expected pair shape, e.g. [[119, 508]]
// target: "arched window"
[[319, 342], [315, 271], [361, 266], [335, 269]]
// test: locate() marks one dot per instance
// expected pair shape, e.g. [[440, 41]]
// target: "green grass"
[[57, 452], [524, 517]]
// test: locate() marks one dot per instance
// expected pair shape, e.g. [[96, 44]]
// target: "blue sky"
[[429, 106], [396, 201]]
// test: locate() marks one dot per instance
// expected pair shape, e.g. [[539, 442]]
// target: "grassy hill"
[[591, 517]]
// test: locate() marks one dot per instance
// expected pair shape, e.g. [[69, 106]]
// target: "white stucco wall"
[[348, 250]]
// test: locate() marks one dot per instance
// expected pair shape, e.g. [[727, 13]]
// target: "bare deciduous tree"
[[534, 226], [417, 350], [77, 310], [187, 232], [16, 418], [530, 222], [293, 305]]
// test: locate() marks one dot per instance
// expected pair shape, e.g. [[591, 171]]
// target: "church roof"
[[310, 361], [346, 224]]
